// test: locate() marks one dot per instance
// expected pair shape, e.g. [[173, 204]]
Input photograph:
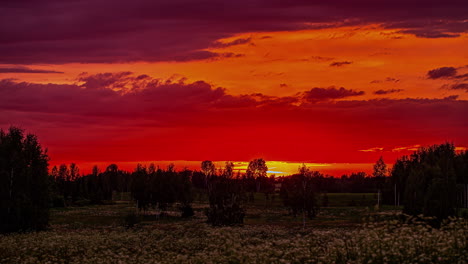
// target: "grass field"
[[260, 211], [339, 234]]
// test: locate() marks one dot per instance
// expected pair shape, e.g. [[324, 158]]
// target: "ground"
[[341, 233]]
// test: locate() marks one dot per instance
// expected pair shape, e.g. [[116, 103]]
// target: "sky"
[[333, 84]]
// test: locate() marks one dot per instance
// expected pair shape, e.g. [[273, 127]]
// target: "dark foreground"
[[340, 234]]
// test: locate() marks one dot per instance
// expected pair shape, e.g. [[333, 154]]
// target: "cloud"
[[428, 33], [109, 80], [383, 92], [406, 148], [340, 63], [240, 41], [450, 73], [443, 72], [108, 94], [321, 58], [398, 149], [229, 55], [375, 149], [24, 70], [459, 86], [325, 94], [462, 76], [104, 31], [388, 79], [431, 28], [158, 119]]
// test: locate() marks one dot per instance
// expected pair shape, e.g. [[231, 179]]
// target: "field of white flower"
[[196, 242]]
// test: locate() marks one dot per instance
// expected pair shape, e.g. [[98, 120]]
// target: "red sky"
[[334, 85]]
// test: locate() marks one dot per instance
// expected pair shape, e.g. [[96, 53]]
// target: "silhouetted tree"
[[380, 172], [430, 186], [225, 196], [399, 177], [95, 189], [380, 168], [299, 193], [24, 182], [184, 192], [208, 169], [141, 188], [158, 188], [257, 170]]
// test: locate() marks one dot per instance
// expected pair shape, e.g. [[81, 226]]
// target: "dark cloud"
[[240, 41], [103, 31], [331, 93], [109, 80], [108, 94], [24, 70], [427, 33], [462, 76], [388, 79], [231, 55], [383, 92], [459, 86], [443, 72], [321, 58], [340, 63]]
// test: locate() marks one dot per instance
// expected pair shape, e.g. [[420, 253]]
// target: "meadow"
[[347, 231]]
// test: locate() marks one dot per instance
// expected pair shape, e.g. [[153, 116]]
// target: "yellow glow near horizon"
[[277, 168]]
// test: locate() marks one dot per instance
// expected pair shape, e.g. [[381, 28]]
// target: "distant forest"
[[432, 181]]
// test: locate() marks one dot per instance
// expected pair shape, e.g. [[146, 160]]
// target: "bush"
[[187, 211], [131, 220]]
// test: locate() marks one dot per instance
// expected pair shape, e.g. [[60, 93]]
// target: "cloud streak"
[[25, 70], [325, 94], [390, 91], [443, 72], [340, 63]]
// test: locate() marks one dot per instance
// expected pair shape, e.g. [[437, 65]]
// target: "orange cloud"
[[376, 149]]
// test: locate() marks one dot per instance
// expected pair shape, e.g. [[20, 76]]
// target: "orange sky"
[[300, 60], [335, 97]]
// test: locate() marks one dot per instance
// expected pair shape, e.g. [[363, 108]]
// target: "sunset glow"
[[334, 86]]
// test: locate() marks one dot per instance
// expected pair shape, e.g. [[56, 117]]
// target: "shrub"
[[131, 220], [187, 211]]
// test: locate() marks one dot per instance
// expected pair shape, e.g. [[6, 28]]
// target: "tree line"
[[428, 182], [433, 181]]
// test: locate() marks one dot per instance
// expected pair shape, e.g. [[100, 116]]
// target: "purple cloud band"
[[120, 31]]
